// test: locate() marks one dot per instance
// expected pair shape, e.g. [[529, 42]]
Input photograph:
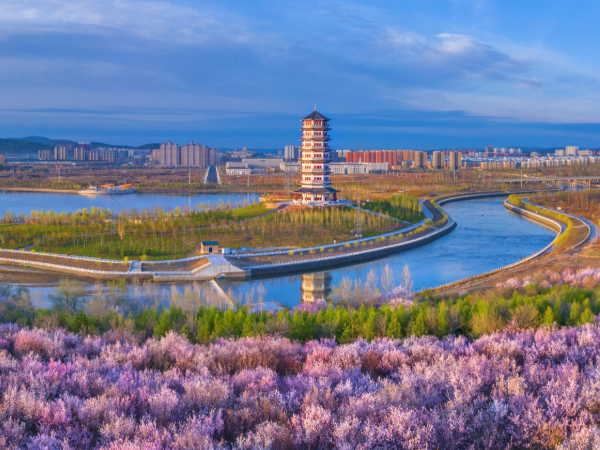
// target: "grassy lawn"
[[156, 235], [399, 206], [575, 231]]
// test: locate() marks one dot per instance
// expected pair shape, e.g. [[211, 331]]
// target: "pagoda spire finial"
[[315, 106]]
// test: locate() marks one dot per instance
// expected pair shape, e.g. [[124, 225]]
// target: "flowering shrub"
[[508, 390], [587, 278]]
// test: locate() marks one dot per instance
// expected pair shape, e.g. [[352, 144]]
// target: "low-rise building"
[[290, 167], [262, 162], [343, 168], [235, 168], [377, 167], [209, 247], [346, 168]]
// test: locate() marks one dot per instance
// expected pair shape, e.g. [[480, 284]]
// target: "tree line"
[[345, 320]]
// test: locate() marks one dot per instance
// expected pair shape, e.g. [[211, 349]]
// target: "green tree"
[[587, 316], [548, 318], [69, 295], [394, 329], [417, 325], [443, 327], [576, 311]]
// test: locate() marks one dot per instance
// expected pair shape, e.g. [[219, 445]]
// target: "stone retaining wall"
[[328, 262], [551, 223]]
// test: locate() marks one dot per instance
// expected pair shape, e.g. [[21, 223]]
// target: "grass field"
[[166, 235]]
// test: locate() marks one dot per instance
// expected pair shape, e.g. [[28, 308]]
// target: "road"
[[212, 175]]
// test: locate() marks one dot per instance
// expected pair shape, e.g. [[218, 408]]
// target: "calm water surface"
[[487, 237], [25, 202]]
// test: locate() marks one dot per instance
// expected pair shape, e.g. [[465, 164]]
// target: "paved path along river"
[[487, 237]]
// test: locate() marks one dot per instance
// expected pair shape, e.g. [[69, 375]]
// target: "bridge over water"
[[573, 181]]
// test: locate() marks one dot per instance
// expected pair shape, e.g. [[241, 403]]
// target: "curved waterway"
[[487, 237], [20, 202]]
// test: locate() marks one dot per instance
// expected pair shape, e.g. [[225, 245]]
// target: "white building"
[[290, 167], [262, 162], [377, 167], [235, 168], [349, 168]]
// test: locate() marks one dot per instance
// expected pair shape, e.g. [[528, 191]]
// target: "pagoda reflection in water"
[[316, 286]]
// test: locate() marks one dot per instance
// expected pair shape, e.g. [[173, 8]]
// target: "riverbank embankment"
[[31, 189], [313, 258], [191, 269], [548, 258]]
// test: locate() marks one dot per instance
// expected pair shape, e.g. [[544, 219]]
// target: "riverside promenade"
[[212, 266], [432, 211], [589, 236]]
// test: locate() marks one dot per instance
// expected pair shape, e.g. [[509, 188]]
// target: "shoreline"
[[47, 190], [480, 281], [174, 192], [218, 269]]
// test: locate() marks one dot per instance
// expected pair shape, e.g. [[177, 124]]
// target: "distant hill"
[[148, 146], [55, 142], [102, 144], [37, 139], [17, 147]]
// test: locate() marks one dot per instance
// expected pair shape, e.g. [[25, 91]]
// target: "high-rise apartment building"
[[571, 150], [92, 155], [437, 160], [45, 155], [79, 154], [170, 154], [420, 159], [60, 153], [372, 156], [108, 156], [85, 146], [190, 155], [291, 152], [455, 160]]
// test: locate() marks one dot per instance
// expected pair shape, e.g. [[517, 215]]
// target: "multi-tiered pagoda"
[[316, 173]]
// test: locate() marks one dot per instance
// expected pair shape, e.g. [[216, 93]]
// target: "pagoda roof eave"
[[315, 115], [316, 190]]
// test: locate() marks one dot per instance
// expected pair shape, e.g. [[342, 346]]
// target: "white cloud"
[[152, 20]]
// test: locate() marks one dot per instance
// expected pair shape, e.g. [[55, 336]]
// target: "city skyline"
[[427, 75]]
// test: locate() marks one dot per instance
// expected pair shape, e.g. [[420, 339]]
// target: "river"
[[487, 237], [19, 202]]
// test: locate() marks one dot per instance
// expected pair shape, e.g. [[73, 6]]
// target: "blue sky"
[[392, 74]]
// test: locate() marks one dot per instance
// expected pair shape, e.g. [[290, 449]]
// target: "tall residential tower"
[[316, 173]]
